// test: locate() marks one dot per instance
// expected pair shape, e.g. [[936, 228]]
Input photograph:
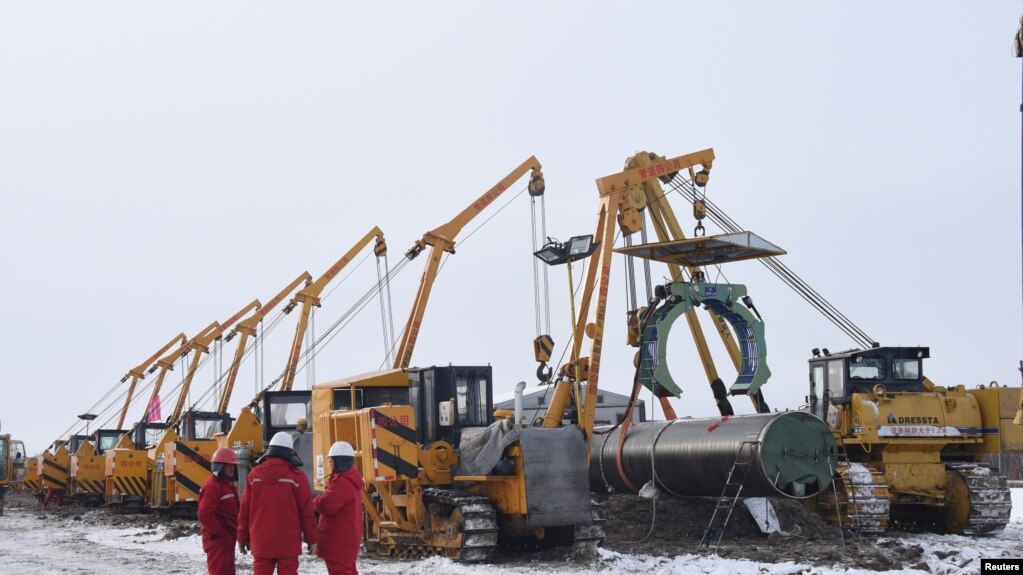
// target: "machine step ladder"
[[842, 459], [730, 494]]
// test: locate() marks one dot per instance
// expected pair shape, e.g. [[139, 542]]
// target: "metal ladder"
[[842, 459], [730, 494]]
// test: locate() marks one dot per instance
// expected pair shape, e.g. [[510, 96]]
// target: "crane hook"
[[544, 375], [699, 212]]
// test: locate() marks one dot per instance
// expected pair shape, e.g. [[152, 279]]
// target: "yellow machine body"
[[925, 446], [186, 466], [55, 468], [7, 474], [87, 479], [412, 490], [1003, 450], [126, 470], [33, 476], [906, 434]]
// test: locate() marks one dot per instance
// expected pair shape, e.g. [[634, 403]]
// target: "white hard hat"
[[341, 449], [282, 439]]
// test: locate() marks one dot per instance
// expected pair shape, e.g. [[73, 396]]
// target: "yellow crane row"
[[431, 488]]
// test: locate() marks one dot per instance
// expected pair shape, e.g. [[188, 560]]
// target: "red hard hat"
[[225, 455]]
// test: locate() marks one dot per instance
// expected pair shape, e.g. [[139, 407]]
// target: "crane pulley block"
[[536, 183], [543, 345]]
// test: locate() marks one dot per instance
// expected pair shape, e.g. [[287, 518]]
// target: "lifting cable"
[[259, 366], [385, 311], [543, 320], [341, 322], [78, 423], [465, 240], [253, 347], [310, 335], [687, 190]]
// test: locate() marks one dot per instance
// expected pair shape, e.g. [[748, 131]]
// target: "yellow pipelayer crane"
[[442, 476], [179, 460], [287, 409], [140, 373], [59, 467], [88, 463], [623, 196], [126, 467]]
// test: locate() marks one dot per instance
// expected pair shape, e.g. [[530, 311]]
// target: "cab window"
[[866, 368], [153, 435], [4, 449], [818, 390], [471, 400], [906, 369], [284, 413], [207, 428], [836, 378], [107, 442]]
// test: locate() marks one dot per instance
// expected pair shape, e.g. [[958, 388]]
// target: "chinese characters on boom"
[[660, 169]]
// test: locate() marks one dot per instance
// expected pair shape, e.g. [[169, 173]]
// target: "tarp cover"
[[480, 448]]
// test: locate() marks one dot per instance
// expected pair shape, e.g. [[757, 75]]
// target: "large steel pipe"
[[789, 454]]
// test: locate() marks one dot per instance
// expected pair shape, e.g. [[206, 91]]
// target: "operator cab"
[[201, 425], [148, 433], [449, 399], [105, 439], [282, 411], [76, 442], [289, 411], [445, 399], [834, 377]]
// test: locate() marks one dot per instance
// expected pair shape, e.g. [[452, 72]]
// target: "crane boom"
[[247, 328], [442, 239], [140, 372], [166, 363], [310, 296], [200, 344]]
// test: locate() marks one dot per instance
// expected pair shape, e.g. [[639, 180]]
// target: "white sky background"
[[162, 164]]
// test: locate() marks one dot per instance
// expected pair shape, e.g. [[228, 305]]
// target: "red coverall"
[[53, 493], [218, 520], [340, 526], [277, 510]]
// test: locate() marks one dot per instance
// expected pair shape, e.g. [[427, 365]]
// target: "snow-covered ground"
[[38, 544]]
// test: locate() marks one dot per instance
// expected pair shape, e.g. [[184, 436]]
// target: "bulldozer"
[[911, 453], [444, 475]]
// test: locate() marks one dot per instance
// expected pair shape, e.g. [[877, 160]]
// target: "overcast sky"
[[164, 163]]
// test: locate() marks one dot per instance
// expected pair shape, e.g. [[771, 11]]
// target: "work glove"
[[311, 548], [243, 548]]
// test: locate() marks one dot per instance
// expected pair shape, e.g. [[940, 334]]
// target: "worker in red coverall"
[[54, 494], [340, 509], [218, 513], [277, 510]]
